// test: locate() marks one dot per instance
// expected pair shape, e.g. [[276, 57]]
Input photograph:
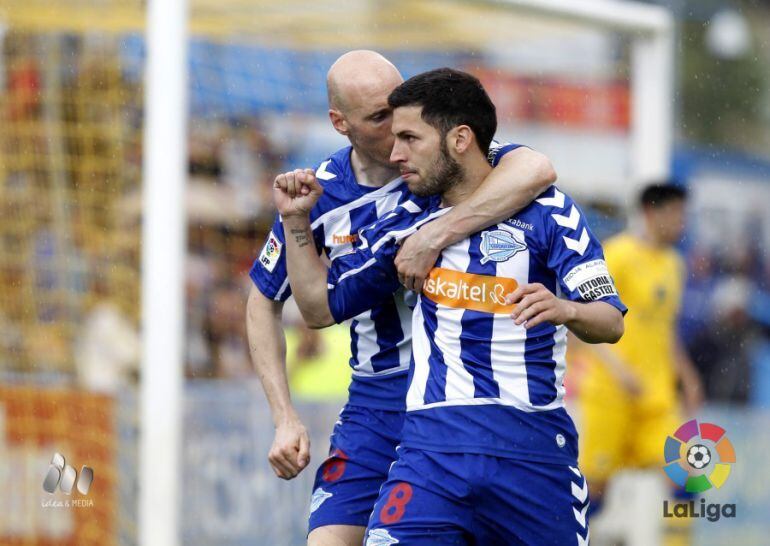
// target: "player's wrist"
[[296, 218], [435, 235], [286, 418], [570, 312]]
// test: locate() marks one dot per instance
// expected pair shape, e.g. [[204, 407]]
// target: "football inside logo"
[[698, 457]]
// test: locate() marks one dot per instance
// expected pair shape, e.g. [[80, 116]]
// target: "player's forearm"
[[595, 322], [267, 346], [521, 175], [307, 272]]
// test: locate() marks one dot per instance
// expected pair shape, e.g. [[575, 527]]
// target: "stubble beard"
[[442, 176]]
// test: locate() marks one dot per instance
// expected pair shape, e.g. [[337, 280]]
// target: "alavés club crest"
[[499, 245]]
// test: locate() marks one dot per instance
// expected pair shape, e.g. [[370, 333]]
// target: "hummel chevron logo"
[[580, 494], [578, 246], [581, 516], [576, 472], [570, 221], [318, 498], [322, 173], [380, 537], [583, 541], [556, 201]]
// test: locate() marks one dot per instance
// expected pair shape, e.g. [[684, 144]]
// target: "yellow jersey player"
[[628, 401]]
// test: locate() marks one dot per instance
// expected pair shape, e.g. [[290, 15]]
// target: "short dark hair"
[[658, 194], [450, 98]]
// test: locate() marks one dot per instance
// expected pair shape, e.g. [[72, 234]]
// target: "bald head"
[[359, 84], [358, 75]]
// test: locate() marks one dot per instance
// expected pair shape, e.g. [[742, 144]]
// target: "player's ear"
[[338, 121], [460, 138]]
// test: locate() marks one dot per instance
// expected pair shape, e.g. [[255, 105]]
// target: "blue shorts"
[[363, 446], [434, 499]]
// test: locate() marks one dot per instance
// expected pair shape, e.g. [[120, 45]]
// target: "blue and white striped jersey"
[[480, 383], [380, 335]]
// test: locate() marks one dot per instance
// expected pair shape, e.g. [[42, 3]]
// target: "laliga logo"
[[689, 456], [698, 457], [272, 247], [64, 476]]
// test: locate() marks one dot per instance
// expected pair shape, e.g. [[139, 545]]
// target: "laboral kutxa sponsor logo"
[[698, 457]]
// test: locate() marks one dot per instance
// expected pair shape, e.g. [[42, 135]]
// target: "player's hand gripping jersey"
[[480, 383]]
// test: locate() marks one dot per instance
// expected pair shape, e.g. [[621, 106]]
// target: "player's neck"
[[371, 173], [476, 169]]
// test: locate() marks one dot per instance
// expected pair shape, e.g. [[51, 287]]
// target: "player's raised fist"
[[296, 192]]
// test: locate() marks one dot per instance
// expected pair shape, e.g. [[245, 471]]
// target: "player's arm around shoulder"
[[520, 174]]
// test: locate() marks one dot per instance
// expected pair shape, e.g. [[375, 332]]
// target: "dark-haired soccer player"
[[488, 454], [362, 185]]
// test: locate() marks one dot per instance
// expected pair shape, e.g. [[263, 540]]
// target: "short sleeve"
[[360, 280], [576, 255], [268, 272]]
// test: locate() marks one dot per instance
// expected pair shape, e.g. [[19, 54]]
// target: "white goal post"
[[163, 254]]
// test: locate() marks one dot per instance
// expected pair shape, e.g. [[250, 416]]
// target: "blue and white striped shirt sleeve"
[[576, 255], [367, 276], [360, 280], [268, 272]]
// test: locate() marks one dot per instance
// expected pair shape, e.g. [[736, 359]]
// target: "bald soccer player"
[[360, 186]]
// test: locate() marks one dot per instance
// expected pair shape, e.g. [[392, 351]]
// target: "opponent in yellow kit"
[[628, 398]]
